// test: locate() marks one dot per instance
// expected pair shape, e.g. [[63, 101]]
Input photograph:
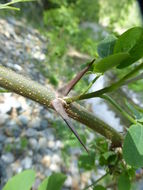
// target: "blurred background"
[[50, 41]]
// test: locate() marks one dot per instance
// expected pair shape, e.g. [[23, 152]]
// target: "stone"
[[8, 158], [68, 182], [35, 123], [12, 130], [51, 144], [31, 132], [46, 161], [54, 168], [3, 118], [26, 162], [33, 143], [2, 138], [56, 159], [42, 142], [16, 167], [43, 124], [23, 119]]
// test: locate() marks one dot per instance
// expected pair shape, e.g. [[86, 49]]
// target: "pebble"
[[42, 142], [68, 182], [43, 124], [51, 144], [3, 118], [2, 138], [54, 167], [23, 119], [33, 143], [26, 163], [35, 123], [46, 161], [8, 158], [56, 159], [31, 132]]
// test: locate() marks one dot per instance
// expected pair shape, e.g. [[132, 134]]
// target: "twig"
[[66, 89], [95, 182]]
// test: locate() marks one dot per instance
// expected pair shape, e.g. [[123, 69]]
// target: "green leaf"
[[55, 181], [8, 5], [130, 42], [108, 158], [133, 146], [124, 182], [109, 62], [99, 187], [23, 181], [136, 113], [44, 184], [106, 46], [86, 161]]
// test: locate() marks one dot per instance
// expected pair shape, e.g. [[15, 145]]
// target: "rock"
[[46, 161], [43, 124], [35, 123], [42, 142], [31, 132], [54, 168], [2, 138], [16, 167], [56, 159], [26, 163], [68, 182], [12, 129], [2, 174], [23, 119], [8, 158], [59, 144], [17, 67], [33, 143], [3, 119], [37, 158], [51, 144]]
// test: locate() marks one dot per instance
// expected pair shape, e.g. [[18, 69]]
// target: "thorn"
[[75, 133], [58, 106], [67, 88]]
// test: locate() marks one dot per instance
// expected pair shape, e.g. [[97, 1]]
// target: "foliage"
[[63, 24], [8, 5], [25, 180]]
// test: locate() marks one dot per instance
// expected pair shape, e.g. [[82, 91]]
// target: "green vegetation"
[[118, 154]]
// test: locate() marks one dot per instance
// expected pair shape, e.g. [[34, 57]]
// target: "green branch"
[[108, 89], [117, 106], [44, 95]]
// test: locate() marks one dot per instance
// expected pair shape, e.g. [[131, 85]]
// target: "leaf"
[[106, 46], [133, 146], [8, 5], [108, 158], [23, 181], [136, 113], [130, 42], [87, 161], [99, 187], [109, 62], [124, 182], [44, 184], [55, 181]]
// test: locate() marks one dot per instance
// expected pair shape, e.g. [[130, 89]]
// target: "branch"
[[67, 88], [107, 89], [23, 86]]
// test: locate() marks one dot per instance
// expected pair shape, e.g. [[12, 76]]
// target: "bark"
[[44, 95]]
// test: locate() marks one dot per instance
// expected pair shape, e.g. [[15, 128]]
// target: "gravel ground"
[[27, 139]]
